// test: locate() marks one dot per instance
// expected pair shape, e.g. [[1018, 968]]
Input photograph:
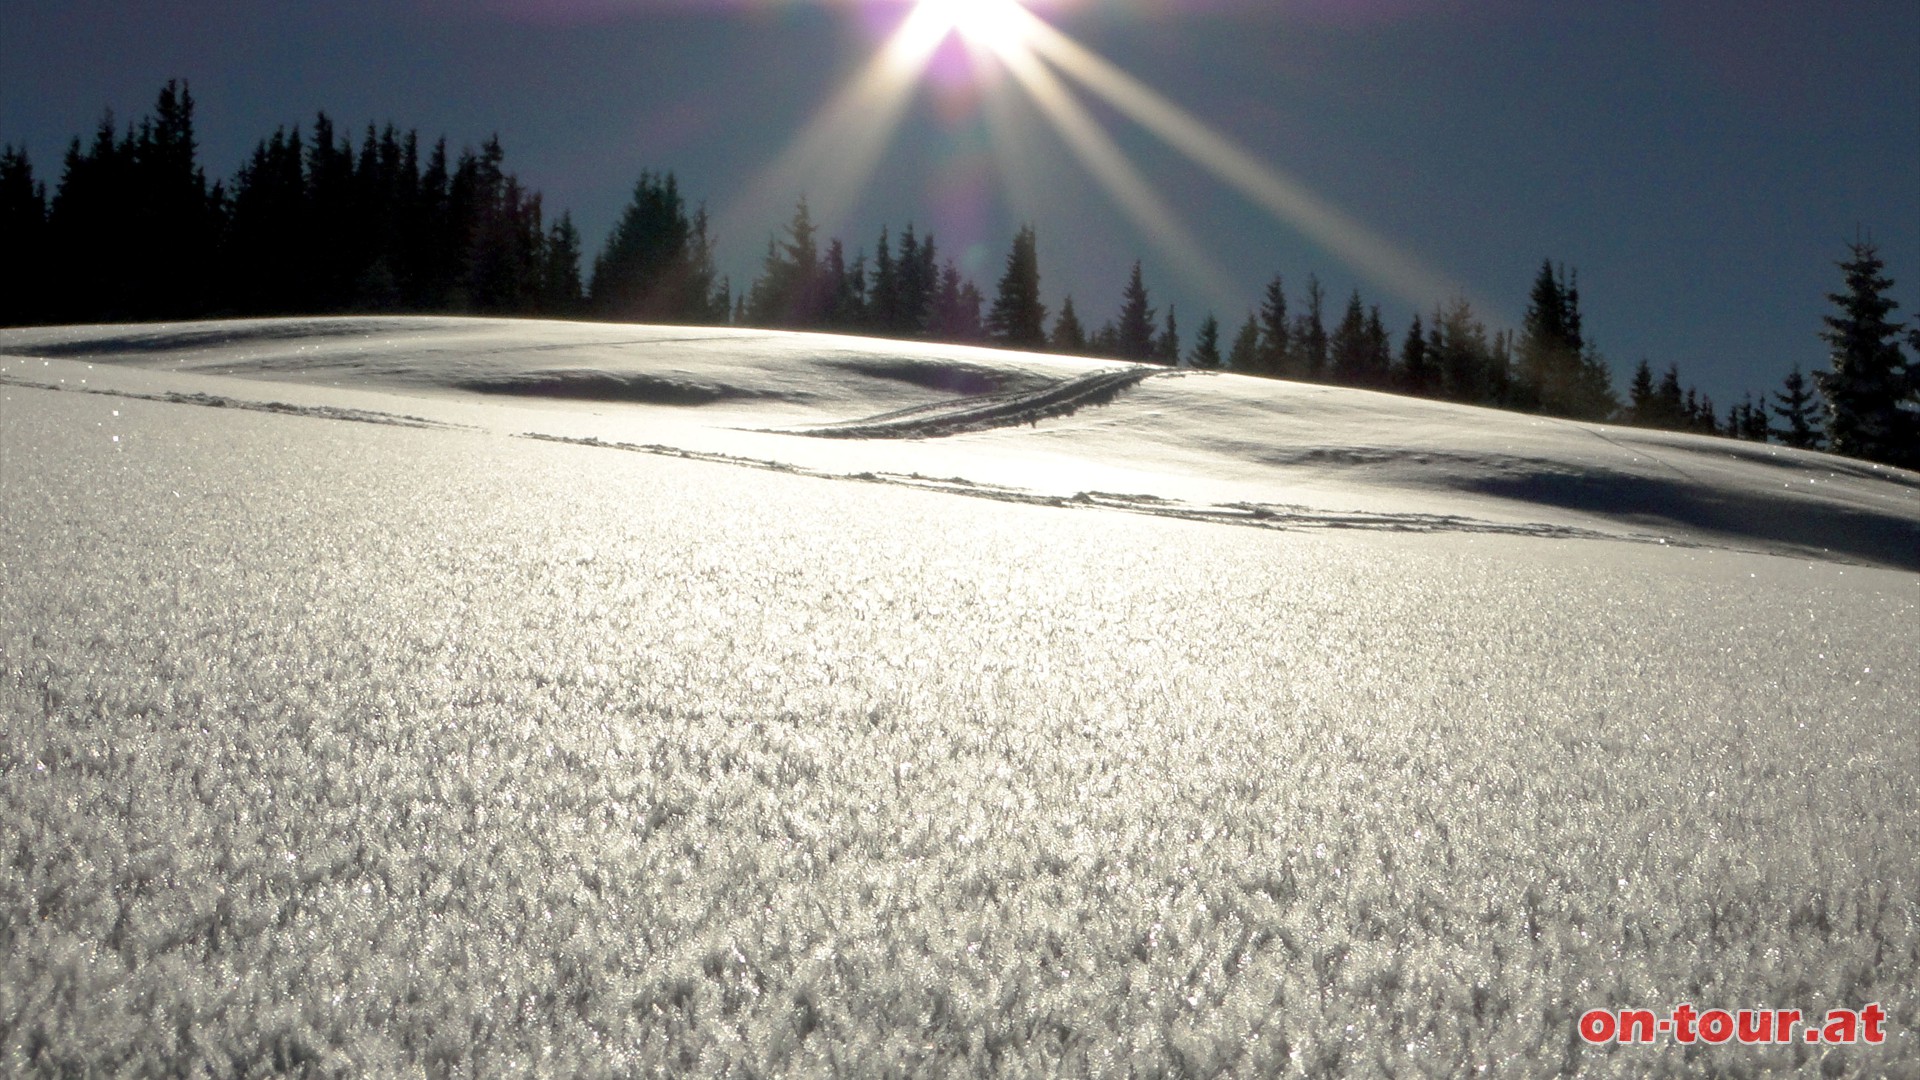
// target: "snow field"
[[348, 749]]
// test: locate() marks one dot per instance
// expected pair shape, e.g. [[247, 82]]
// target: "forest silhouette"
[[310, 224]]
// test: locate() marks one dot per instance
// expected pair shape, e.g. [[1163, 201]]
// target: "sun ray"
[[1273, 190], [1109, 165], [831, 160]]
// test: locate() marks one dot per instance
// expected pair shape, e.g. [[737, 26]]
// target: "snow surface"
[[1220, 726], [1214, 444]]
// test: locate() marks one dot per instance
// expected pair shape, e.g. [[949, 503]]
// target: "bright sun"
[[998, 25]]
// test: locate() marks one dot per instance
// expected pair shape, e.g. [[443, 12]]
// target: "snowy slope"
[[1215, 727], [1216, 445]]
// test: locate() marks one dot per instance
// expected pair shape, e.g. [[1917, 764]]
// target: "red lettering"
[[1756, 1026], [1842, 1026], [1873, 1015], [1636, 1025], [1683, 1023], [1597, 1026]]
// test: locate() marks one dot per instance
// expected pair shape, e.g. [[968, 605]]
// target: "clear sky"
[[1700, 163]]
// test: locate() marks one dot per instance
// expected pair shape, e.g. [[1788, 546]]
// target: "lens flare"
[[991, 24], [834, 157]]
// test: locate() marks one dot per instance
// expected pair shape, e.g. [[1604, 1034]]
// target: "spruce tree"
[[1349, 345], [1869, 376], [1798, 412], [1640, 398], [883, 299], [789, 291], [1244, 356], [1018, 318], [1548, 348], [1133, 336], [23, 235], [656, 266], [1206, 345], [1670, 403], [1166, 346], [1275, 354], [1310, 334], [1069, 336], [560, 289], [1379, 351], [1460, 353], [1416, 370]]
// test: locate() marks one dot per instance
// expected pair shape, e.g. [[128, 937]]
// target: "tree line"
[[312, 224]]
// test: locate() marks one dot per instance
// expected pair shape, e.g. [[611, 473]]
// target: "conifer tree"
[[1019, 318], [1460, 353], [789, 292], [23, 236], [1133, 334], [955, 311], [1069, 336], [883, 298], [1670, 404], [1166, 346], [847, 283], [1310, 334], [918, 277], [1379, 351], [1206, 345], [657, 264], [1798, 412], [1348, 346], [1869, 377], [560, 289], [1416, 375], [1640, 396], [1549, 345], [93, 212], [1274, 357], [1244, 356]]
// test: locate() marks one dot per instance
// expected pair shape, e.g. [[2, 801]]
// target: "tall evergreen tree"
[[1310, 334], [176, 224], [918, 277], [789, 291], [94, 211], [1134, 332], [23, 236], [847, 285], [1069, 336], [1166, 345], [1378, 370], [1244, 356], [1019, 318], [1206, 345], [264, 271], [1670, 403], [1799, 413], [1274, 357], [1416, 374], [955, 312], [883, 298], [1869, 376], [1640, 394], [560, 288], [1348, 346], [1550, 344], [1461, 353]]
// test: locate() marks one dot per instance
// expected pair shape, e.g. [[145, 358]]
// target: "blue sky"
[[1700, 164]]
